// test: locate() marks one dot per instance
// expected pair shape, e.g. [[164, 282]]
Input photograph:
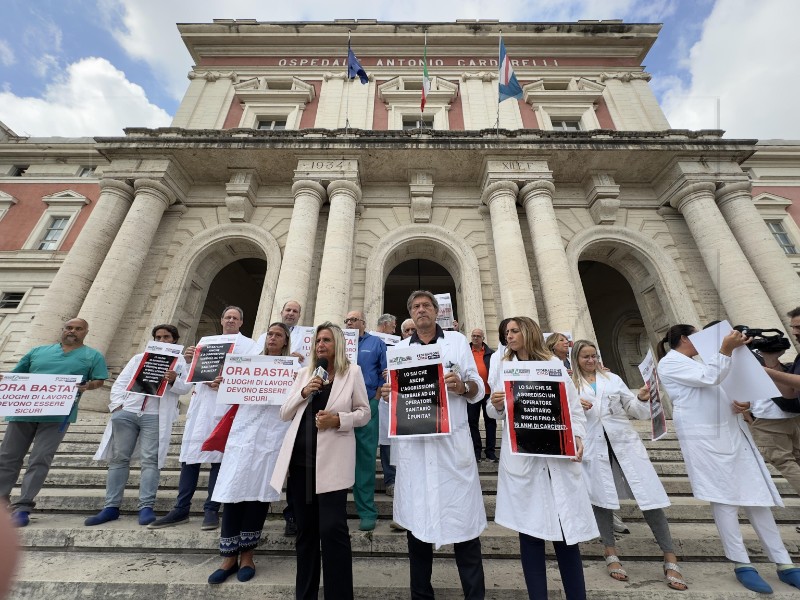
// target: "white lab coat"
[[437, 491], [721, 458], [611, 405], [543, 497], [250, 456], [167, 409], [203, 415]]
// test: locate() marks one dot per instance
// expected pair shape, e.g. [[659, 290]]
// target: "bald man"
[[68, 357]]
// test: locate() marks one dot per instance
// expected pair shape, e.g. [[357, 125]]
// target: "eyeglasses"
[[349, 320]]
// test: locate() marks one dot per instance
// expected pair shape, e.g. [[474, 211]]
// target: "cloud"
[[42, 44], [743, 63], [92, 98], [7, 57]]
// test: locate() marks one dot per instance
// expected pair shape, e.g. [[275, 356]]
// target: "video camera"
[[765, 340]]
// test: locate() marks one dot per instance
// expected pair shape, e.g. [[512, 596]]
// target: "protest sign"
[[257, 379], [445, 317], [746, 380], [658, 418], [351, 344], [388, 338], [29, 394], [158, 358], [209, 356], [537, 409], [418, 403]]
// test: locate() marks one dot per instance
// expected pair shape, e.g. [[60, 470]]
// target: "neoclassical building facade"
[[281, 179]]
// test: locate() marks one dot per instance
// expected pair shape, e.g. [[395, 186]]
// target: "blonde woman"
[[615, 461], [558, 344], [319, 454], [542, 498]]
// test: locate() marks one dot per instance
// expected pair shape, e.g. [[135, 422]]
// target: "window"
[[11, 300], [18, 170], [782, 237], [272, 124], [86, 172], [418, 122], [53, 232], [567, 125]]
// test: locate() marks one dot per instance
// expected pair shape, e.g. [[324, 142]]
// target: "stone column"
[[513, 274], [767, 258], [740, 291], [69, 287], [558, 289], [295, 272], [337, 259], [108, 298]]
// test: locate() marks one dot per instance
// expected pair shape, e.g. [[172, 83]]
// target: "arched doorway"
[[416, 274], [618, 324], [238, 284]]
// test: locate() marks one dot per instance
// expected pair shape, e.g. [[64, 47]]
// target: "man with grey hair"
[[438, 495], [387, 323], [407, 328], [201, 419]]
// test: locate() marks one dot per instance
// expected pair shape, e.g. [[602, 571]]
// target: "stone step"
[[693, 541], [83, 478], [90, 500], [183, 577]]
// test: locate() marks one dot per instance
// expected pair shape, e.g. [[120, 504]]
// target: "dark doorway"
[[616, 318], [417, 274], [238, 284]]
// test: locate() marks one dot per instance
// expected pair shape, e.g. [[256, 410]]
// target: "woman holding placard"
[[615, 461], [542, 498], [328, 400], [722, 462], [243, 483]]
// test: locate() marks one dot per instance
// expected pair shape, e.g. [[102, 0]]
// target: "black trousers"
[[242, 523], [468, 561], [569, 564], [473, 418], [321, 522]]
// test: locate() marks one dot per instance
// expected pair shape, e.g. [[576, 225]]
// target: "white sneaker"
[[619, 526]]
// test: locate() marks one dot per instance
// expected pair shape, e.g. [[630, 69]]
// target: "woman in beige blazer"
[[319, 454]]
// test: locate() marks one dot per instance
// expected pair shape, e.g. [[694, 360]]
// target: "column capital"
[[156, 189], [310, 188], [497, 189], [692, 191], [116, 186], [535, 188], [732, 190], [342, 186]]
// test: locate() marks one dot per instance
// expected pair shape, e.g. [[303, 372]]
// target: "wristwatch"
[[466, 388]]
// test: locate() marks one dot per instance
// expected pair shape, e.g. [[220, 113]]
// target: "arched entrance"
[[416, 274], [238, 284], [618, 324]]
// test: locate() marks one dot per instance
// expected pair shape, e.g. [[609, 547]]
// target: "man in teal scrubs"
[[69, 357]]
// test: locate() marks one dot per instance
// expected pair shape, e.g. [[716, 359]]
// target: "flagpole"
[[499, 66], [424, 59], [347, 86]]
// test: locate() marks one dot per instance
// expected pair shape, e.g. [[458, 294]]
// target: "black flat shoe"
[[221, 575]]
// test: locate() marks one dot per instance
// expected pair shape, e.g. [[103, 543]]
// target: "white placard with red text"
[[34, 394], [257, 379], [351, 344]]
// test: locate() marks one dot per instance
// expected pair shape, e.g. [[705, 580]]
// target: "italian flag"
[[426, 80]]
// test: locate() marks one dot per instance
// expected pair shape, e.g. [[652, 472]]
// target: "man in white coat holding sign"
[[437, 492]]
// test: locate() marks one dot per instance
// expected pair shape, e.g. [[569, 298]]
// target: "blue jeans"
[[388, 468], [126, 428]]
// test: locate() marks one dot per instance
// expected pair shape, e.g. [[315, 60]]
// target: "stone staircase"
[[120, 560]]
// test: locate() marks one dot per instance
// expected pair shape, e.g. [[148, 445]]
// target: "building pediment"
[[274, 89], [65, 198], [578, 90], [404, 89], [767, 200]]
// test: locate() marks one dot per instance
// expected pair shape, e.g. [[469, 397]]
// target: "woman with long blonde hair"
[[542, 498], [615, 461]]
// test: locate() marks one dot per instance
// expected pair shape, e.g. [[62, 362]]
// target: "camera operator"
[[776, 423]]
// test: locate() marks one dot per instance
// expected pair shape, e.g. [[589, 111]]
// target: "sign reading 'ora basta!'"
[[29, 394]]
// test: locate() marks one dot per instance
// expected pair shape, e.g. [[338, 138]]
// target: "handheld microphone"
[[321, 370]]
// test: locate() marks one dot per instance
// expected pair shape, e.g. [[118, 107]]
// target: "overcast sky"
[[93, 67]]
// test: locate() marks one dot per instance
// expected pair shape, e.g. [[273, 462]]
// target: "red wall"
[[21, 218]]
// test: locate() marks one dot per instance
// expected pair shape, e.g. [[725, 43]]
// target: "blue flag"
[[509, 86], [354, 68]]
